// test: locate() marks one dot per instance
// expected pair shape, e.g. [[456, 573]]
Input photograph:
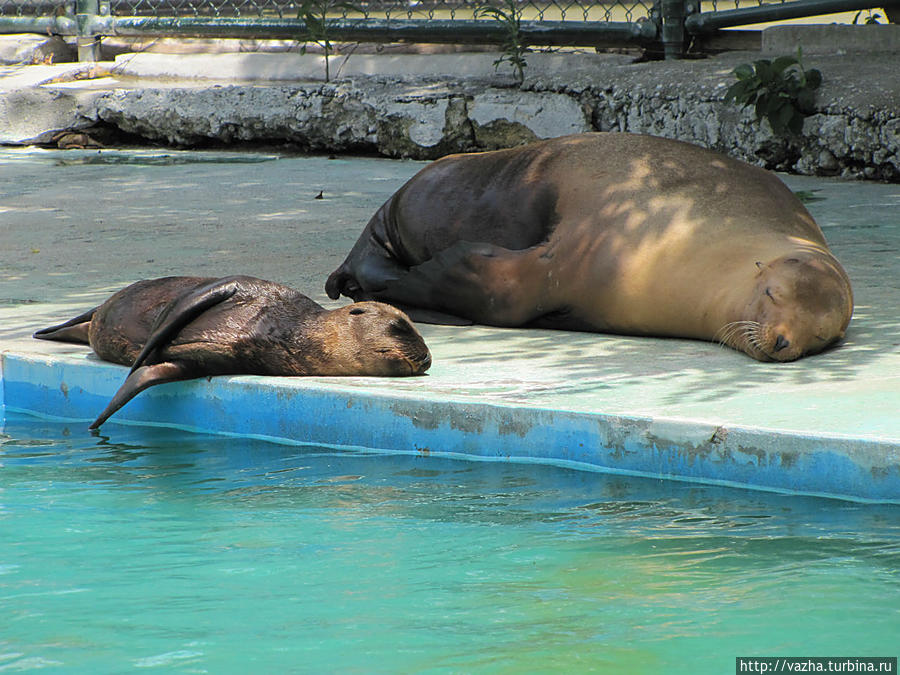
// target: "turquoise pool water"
[[172, 552]]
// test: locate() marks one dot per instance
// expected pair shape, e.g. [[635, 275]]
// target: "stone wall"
[[854, 133]]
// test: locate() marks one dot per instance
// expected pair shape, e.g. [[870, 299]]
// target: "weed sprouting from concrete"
[[315, 14], [514, 46], [781, 91]]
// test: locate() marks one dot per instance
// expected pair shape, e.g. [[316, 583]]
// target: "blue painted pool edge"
[[328, 411]]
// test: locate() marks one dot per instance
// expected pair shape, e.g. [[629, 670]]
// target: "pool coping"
[[337, 412]]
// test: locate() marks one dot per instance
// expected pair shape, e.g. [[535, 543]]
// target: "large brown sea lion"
[[607, 232], [178, 328]]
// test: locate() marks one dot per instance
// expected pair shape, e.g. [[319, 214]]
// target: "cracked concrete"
[[424, 106]]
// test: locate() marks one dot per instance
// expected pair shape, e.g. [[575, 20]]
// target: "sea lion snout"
[[780, 343], [802, 306]]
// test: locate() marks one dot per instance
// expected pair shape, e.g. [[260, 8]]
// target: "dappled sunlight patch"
[[282, 215]]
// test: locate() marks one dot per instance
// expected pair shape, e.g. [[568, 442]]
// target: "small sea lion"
[[606, 232], [179, 328]]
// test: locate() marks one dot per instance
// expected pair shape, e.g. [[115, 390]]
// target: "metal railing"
[[666, 25]]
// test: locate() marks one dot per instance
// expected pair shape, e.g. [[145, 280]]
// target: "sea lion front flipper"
[[482, 282], [140, 379], [182, 311], [74, 330]]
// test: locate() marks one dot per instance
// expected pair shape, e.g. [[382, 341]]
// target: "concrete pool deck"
[[78, 225]]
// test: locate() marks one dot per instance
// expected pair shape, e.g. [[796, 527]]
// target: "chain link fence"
[[561, 10], [666, 26]]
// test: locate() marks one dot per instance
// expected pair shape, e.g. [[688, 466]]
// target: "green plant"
[[514, 46], [870, 18], [782, 91], [315, 14]]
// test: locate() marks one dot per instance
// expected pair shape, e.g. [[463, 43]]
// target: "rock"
[[35, 115], [854, 132], [504, 118], [30, 49]]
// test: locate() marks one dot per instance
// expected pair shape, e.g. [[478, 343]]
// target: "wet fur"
[[178, 328]]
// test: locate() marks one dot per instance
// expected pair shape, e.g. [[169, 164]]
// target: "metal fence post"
[[673, 13], [86, 15]]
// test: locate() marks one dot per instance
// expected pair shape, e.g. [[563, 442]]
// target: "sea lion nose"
[[781, 343]]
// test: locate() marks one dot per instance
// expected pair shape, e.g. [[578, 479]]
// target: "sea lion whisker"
[[728, 334], [726, 330], [742, 335], [731, 330], [752, 330], [753, 337]]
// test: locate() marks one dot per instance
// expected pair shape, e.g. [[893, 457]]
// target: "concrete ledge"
[[366, 413], [293, 67], [834, 38], [426, 106]]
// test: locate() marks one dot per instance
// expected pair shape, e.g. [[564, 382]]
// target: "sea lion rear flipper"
[[482, 282], [182, 311], [140, 379], [74, 330]]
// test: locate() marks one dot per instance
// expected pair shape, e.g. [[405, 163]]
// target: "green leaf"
[[775, 104], [743, 71], [785, 114], [813, 78], [762, 103], [788, 88], [739, 92], [782, 63], [779, 119], [764, 71], [806, 101]]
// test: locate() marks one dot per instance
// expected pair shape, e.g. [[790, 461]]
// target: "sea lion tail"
[[74, 330]]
